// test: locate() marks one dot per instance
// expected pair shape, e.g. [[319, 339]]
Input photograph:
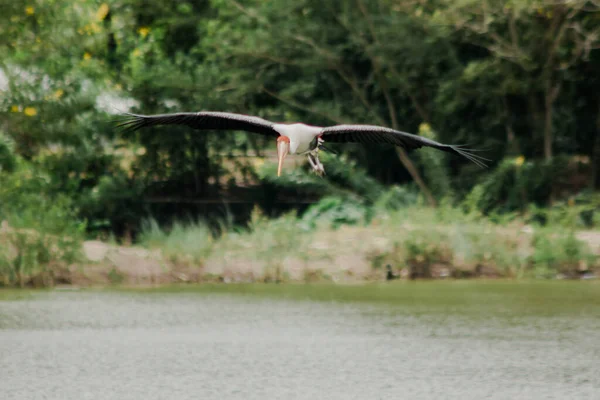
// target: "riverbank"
[[398, 245]]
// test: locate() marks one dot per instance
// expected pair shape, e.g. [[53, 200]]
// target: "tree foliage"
[[519, 78]]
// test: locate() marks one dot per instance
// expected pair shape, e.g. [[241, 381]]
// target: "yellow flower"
[[58, 94], [29, 10], [519, 161], [94, 28], [30, 111], [137, 53], [141, 151], [87, 56], [425, 130], [143, 31], [424, 127], [102, 12], [14, 108]]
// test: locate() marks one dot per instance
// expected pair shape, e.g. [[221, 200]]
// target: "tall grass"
[[264, 248], [187, 243], [322, 244]]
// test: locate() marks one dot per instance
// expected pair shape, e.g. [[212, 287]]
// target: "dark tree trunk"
[[549, 99], [595, 162]]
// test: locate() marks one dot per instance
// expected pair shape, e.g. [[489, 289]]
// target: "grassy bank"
[[338, 244], [416, 242]]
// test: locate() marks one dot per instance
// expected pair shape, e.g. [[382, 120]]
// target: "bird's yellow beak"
[[283, 147]]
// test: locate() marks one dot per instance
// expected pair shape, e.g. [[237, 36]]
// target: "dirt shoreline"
[[109, 264], [350, 254]]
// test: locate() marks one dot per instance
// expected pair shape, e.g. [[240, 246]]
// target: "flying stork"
[[296, 138]]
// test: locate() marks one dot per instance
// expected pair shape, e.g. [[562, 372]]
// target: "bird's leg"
[[313, 159], [320, 169], [313, 156]]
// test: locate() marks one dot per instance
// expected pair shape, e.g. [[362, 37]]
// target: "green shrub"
[[188, 243], [336, 211], [8, 159], [38, 229], [558, 252], [434, 166], [395, 198]]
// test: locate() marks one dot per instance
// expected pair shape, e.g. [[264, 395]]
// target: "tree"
[[537, 44]]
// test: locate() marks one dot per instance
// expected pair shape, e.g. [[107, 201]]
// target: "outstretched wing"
[[379, 134], [204, 120]]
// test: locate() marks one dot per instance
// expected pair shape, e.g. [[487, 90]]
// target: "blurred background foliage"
[[519, 78]]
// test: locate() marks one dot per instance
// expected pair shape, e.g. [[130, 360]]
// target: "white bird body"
[[301, 135]]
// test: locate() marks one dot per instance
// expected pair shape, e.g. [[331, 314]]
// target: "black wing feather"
[[204, 120], [408, 141]]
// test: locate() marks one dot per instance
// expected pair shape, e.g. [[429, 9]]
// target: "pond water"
[[426, 340]]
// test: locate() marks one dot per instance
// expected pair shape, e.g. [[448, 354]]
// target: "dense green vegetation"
[[340, 242], [518, 78]]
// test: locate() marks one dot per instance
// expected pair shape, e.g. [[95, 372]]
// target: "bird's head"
[[283, 148]]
